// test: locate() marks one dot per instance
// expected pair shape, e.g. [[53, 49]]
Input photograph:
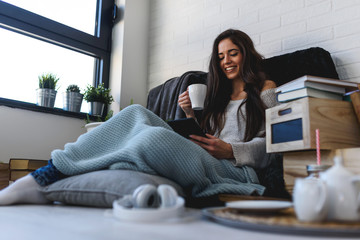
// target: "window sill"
[[33, 107]]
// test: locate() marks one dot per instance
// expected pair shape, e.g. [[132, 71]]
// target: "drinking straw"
[[318, 158]]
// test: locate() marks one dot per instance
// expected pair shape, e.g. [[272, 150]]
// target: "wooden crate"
[[295, 163], [4, 175], [291, 126]]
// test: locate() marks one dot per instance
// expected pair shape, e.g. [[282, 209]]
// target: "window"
[[25, 58], [74, 44], [78, 14]]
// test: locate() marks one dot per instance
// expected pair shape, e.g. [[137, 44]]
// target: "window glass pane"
[[78, 14], [23, 59]]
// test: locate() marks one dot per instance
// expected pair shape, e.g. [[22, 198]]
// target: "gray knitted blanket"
[[137, 139]]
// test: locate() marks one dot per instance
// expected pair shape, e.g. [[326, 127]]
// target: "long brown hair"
[[220, 88]]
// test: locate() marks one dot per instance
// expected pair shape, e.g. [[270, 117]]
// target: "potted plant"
[[97, 97], [91, 125], [72, 98], [46, 93]]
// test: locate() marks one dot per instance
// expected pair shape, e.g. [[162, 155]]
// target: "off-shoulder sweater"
[[251, 153]]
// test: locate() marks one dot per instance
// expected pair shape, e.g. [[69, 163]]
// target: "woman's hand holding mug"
[[192, 99], [185, 104]]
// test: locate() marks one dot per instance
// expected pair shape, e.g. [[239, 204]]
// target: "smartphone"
[[186, 127]]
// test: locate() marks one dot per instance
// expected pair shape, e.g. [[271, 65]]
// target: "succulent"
[[73, 88], [48, 80], [98, 94]]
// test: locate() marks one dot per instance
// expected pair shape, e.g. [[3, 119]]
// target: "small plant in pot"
[[91, 125], [46, 93], [97, 97], [72, 98]]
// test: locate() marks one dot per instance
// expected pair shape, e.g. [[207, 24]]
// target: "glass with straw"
[[313, 170]]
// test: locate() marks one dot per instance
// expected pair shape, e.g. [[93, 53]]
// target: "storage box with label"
[[291, 126]]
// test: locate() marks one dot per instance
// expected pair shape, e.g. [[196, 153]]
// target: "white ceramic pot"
[[91, 126], [344, 192]]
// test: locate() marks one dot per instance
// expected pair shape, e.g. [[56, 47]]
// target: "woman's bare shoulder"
[[268, 85]]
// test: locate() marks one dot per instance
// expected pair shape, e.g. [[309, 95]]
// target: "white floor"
[[23, 222]]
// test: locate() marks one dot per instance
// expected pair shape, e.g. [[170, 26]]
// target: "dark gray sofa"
[[162, 99]]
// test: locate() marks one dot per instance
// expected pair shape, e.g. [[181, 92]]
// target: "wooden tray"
[[284, 222]]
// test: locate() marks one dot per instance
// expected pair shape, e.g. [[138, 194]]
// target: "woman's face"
[[230, 59]]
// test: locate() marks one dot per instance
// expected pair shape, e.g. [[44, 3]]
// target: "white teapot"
[[343, 192]]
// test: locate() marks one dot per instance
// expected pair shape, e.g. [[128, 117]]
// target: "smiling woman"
[[231, 64], [230, 59]]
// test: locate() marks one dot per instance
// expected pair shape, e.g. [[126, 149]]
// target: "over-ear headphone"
[[149, 196]]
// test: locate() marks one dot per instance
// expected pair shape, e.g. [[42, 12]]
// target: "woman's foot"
[[23, 190]]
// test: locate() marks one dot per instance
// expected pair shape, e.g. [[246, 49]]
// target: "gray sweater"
[[252, 153]]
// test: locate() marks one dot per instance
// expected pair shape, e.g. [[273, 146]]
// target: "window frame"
[[98, 45]]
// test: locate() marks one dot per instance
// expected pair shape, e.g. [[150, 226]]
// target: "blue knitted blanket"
[[137, 139]]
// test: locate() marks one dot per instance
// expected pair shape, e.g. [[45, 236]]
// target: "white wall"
[[116, 64], [129, 64], [28, 134], [182, 31]]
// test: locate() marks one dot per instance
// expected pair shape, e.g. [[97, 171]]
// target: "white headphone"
[[148, 196]]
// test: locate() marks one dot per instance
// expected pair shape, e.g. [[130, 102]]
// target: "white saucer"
[[260, 205], [148, 214]]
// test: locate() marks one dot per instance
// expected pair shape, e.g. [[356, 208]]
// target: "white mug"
[[197, 93], [310, 199]]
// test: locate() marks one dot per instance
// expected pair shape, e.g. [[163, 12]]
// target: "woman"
[[136, 139], [235, 104]]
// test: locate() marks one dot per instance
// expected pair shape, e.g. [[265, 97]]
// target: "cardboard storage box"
[[291, 126]]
